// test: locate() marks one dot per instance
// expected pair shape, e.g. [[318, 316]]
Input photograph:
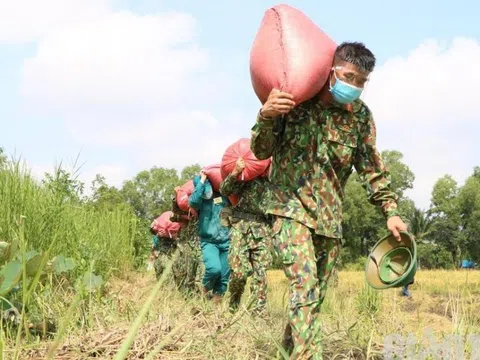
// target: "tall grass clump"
[[54, 217]]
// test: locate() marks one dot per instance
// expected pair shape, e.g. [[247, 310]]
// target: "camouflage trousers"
[[308, 261], [162, 257], [187, 270], [249, 256]]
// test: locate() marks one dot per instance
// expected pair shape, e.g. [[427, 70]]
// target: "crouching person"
[[214, 238], [250, 233]]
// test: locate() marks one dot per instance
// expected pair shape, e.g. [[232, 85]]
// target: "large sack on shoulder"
[[182, 195], [290, 53], [253, 167], [164, 227], [214, 176]]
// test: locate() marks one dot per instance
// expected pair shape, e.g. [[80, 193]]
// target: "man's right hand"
[[203, 176], [278, 103], [239, 166]]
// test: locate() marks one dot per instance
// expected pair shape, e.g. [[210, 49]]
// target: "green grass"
[[67, 227], [133, 316], [51, 220], [355, 320]]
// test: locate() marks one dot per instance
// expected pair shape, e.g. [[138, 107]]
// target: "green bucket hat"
[[392, 263]]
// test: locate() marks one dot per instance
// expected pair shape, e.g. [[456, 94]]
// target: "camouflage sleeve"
[[373, 173], [176, 210], [263, 139], [176, 218], [230, 186]]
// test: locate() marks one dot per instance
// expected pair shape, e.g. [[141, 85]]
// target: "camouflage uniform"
[[314, 148], [250, 234], [187, 270], [163, 252]]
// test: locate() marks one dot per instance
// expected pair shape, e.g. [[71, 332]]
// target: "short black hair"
[[357, 54], [153, 232]]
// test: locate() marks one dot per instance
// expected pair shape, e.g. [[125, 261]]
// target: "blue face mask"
[[343, 92]]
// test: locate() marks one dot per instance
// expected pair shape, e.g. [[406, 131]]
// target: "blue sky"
[[133, 84]]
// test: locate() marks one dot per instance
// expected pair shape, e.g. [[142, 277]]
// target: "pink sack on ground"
[[214, 176], [164, 227], [253, 167], [290, 53]]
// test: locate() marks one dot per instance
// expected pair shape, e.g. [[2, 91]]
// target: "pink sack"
[[182, 194], [253, 167], [214, 176], [164, 227], [290, 53]]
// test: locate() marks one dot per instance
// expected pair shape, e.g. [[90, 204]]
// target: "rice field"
[[68, 268], [356, 321]]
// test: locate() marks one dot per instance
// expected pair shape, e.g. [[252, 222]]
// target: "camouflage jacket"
[[314, 149], [253, 200], [189, 234], [164, 246]]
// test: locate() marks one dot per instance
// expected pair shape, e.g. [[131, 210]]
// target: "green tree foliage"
[[148, 194], [433, 256], [469, 204], [364, 223], [401, 176], [150, 191], [420, 224], [446, 233], [104, 195], [456, 217], [446, 214], [189, 172], [64, 185]]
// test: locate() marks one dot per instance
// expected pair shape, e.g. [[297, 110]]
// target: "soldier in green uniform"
[[250, 231], [314, 146], [187, 268]]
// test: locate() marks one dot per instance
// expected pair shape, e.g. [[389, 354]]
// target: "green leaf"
[[4, 251], [92, 282], [34, 260], [10, 275], [62, 265]]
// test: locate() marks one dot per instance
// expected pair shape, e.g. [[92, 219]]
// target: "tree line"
[[446, 233]]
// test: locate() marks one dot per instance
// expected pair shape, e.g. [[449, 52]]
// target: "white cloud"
[[125, 82], [122, 82], [25, 21], [114, 175], [426, 105], [119, 60]]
